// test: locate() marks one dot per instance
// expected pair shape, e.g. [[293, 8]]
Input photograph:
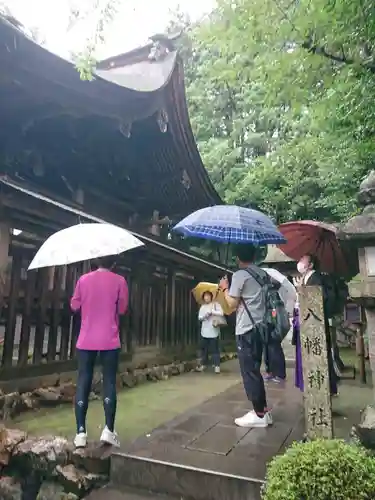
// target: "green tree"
[[283, 117]]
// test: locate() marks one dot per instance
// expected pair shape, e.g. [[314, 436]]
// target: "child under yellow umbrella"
[[218, 295]]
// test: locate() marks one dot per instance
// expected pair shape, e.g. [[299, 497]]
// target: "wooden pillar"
[[5, 279], [171, 308], [4, 259], [317, 398]]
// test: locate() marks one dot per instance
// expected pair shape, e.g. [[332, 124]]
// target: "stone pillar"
[[370, 319], [317, 398]]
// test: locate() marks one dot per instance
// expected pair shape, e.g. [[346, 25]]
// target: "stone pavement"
[[202, 455]]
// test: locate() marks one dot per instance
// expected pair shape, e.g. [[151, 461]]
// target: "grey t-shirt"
[[245, 286]]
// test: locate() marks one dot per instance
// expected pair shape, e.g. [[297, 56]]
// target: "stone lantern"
[[359, 232]]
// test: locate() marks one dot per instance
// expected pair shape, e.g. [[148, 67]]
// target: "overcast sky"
[[135, 22]]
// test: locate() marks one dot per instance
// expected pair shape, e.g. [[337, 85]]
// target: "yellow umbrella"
[[218, 295]]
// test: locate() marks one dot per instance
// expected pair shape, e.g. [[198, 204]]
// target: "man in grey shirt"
[[247, 296]]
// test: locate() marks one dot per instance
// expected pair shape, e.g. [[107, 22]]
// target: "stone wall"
[[61, 390], [48, 467]]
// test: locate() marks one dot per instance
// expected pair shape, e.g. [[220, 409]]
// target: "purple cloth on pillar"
[[296, 335]]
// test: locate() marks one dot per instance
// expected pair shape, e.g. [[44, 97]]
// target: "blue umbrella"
[[230, 224]]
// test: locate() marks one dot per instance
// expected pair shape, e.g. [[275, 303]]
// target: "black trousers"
[[274, 359], [210, 346], [250, 351], [86, 362]]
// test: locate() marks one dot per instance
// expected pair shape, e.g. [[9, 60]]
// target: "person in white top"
[[209, 313]]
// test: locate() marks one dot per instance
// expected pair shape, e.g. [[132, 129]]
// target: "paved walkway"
[[202, 455], [206, 436]]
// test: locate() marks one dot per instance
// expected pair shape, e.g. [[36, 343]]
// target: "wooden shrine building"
[[118, 149]]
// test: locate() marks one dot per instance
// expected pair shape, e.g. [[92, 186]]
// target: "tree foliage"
[[281, 98], [280, 95], [101, 14]]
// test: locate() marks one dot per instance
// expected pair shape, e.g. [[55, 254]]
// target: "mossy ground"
[[140, 409], [149, 405]]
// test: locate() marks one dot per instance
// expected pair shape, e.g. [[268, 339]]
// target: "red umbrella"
[[318, 239]]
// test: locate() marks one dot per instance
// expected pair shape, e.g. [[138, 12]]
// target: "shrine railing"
[[38, 332]]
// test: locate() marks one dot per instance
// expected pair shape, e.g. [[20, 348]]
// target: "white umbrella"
[[287, 290], [83, 242]]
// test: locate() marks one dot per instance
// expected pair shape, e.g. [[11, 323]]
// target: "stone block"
[[174, 370], [67, 392], [30, 402], [11, 405], [155, 373], [77, 480], [95, 458], [51, 380], [365, 430], [9, 440], [55, 491], [128, 380], [190, 365], [10, 489], [42, 454], [139, 376], [50, 396]]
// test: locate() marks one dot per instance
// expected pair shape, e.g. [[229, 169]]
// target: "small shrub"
[[321, 470]]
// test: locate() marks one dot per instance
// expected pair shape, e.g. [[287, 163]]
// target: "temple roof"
[[276, 256], [124, 137]]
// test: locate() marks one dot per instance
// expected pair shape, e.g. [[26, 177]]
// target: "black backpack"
[[276, 318], [335, 294]]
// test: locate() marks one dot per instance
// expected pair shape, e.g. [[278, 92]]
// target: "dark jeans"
[[274, 359], [250, 350], [210, 346], [86, 363]]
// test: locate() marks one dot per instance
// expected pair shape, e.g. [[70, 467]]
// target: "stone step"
[[180, 481], [112, 493]]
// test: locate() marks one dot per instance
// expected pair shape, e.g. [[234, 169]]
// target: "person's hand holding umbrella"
[[224, 284]]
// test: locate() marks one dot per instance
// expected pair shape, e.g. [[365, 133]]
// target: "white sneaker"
[[217, 369], [251, 419], [110, 437], [80, 441], [200, 368], [269, 417]]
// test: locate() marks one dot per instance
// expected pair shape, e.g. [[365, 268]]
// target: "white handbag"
[[219, 321]]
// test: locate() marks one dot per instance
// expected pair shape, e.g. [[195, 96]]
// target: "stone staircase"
[[111, 493], [180, 481]]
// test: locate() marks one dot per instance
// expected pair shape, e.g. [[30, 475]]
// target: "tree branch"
[[319, 50]]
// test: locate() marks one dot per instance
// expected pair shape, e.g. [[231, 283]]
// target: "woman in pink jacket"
[[101, 296]]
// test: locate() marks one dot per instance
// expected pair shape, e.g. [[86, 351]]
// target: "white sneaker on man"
[[269, 417], [251, 419], [217, 369], [110, 437], [80, 441]]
